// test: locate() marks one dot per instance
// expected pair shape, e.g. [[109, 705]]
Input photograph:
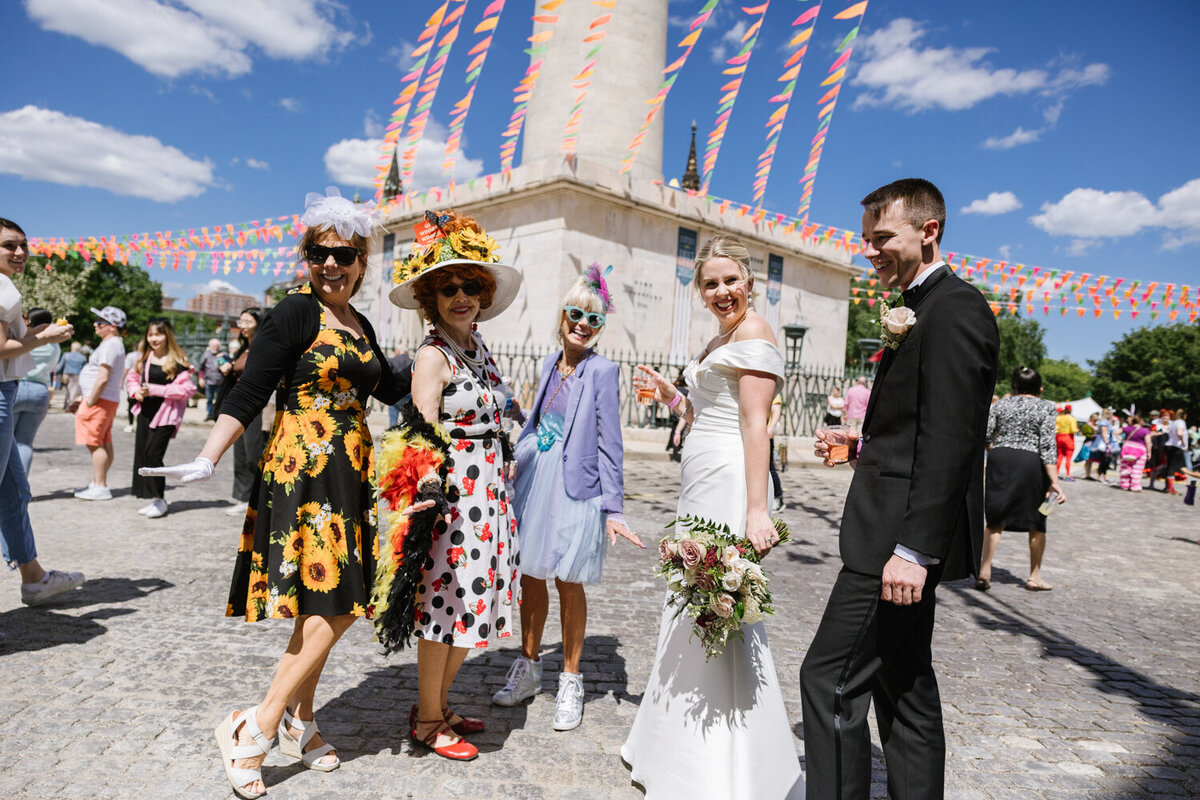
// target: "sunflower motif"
[[328, 380], [353, 442], [246, 541], [319, 570], [258, 586], [289, 463], [287, 606], [474, 245], [295, 542], [254, 611], [357, 610], [316, 425], [333, 532]]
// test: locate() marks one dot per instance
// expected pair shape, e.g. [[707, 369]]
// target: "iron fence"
[[804, 391]]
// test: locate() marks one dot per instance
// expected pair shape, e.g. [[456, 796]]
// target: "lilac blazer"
[[592, 448]]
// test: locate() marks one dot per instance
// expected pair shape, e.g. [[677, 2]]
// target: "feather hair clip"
[[596, 279]]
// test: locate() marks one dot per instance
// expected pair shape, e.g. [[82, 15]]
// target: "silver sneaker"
[[524, 680], [568, 706], [54, 584]]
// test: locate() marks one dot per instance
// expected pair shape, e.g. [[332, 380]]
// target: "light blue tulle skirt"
[[560, 537]]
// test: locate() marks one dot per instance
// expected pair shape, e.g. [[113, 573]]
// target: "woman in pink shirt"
[[159, 384]]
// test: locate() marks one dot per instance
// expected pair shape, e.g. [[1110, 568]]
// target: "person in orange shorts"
[[100, 383]]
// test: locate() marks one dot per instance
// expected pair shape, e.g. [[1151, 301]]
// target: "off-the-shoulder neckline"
[[702, 360]]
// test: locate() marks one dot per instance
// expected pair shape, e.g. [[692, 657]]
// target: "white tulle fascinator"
[[331, 210]]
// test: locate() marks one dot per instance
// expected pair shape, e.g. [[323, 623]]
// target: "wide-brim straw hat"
[[507, 278]]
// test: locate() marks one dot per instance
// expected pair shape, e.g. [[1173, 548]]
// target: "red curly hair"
[[426, 288]]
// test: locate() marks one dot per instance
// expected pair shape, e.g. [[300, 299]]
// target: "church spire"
[[691, 177], [392, 187]]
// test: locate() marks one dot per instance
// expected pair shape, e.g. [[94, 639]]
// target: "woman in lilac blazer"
[[567, 494]]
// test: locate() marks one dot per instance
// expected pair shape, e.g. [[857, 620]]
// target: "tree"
[[71, 287], [1021, 345], [860, 324], [1064, 380], [1152, 367]]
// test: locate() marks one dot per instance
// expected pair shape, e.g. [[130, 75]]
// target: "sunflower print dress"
[[470, 585], [302, 549]]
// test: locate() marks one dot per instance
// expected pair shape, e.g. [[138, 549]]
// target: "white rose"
[[731, 581], [729, 555], [755, 572], [898, 320], [739, 567]]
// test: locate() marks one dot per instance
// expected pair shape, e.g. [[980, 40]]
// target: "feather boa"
[[409, 451]]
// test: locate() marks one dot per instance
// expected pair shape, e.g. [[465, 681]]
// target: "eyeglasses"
[[470, 289], [318, 254], [576, 314]]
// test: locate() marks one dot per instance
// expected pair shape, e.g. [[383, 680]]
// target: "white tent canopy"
[[1083, 408]]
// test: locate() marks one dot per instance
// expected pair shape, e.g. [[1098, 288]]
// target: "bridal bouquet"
[[716, 578]]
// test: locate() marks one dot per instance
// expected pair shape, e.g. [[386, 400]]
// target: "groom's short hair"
[[922, 201]]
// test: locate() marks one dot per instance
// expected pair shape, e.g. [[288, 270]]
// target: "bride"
[[719, 729]]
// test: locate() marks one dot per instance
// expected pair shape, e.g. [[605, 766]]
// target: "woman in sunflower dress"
[[450, 574], [308, 546]]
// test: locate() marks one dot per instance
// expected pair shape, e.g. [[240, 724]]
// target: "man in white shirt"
[[100, 382]]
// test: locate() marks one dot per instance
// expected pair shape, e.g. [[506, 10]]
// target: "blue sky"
[[1068, 129]]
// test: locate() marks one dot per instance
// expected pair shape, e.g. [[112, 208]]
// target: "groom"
[[913, 517]]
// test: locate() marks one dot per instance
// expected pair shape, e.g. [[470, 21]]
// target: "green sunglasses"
[[593, 319]]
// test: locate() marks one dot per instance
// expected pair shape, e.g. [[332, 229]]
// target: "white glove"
[[201, 469]]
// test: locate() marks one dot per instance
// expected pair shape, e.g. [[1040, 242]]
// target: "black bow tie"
[[909, 295]]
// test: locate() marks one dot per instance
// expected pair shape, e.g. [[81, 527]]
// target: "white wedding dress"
[[715, 729]]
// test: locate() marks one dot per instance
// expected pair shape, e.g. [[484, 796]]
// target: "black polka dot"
[[438, 601], [479, 586], [500, 624], [499, 584], [457, 433], [428, 563], [436, 629], [446, 577], [460, 593], [473, 472], [456, 537], [424, 619], [468, 619], [484, 630], [468, 386], [475, 514], [491, 511], [494, 564], [449, 611], [448, 639]]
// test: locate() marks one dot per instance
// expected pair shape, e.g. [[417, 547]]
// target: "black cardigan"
[[288, 330]]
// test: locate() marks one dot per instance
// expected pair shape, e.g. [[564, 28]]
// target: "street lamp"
[[794, 337]]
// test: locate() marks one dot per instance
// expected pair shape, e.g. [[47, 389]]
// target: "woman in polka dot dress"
[[468, 590]]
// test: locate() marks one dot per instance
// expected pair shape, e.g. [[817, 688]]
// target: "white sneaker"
[[94, 492], [52, 585], [130, 428], [524, 680], [237, 510], [778, 506], [568, 706], [156, 509]]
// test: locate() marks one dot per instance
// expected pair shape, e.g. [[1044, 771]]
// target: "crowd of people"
[[449, 534]]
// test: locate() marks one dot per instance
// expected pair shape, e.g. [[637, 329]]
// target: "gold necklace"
[[741, 319]]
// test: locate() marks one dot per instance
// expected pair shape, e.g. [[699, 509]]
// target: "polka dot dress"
[[470, 586]]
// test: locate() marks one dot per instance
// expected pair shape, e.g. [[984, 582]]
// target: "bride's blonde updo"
[[724, 245]]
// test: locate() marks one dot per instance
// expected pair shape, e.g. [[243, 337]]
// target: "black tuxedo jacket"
[[919, 478]]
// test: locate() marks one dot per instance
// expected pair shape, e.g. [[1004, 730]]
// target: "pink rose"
[[664, 550], [898, 320], [705, 582], [722, 606], [691, 552]]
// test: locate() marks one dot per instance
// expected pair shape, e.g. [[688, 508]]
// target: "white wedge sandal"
[[226, 734], [293, 747]]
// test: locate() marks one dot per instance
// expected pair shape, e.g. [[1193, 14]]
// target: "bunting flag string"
[[404, 101], [582, 80], [774, 124], [828, 101], [657, 102], [524, 88], [428, 90], [485, 30], [736, 67]]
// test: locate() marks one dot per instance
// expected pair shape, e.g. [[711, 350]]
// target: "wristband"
[[676, 400]]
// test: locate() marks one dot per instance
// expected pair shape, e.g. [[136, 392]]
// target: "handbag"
[[1084, 453]]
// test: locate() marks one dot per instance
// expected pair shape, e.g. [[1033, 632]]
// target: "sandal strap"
[[307, 728], [250, 720], [317, 753], [244, 777], [441, 728]]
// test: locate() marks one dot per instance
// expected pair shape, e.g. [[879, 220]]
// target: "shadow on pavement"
[[31, 629], [1157, 701], [110, 590]]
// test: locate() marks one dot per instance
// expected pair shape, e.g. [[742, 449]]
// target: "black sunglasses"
[[318, 254], [470, 289]]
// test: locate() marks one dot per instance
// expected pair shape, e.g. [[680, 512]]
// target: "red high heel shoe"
[[461, 750]]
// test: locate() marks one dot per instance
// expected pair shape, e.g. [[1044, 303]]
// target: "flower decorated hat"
[[446, 239]]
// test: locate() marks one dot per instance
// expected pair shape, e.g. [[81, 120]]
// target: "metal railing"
[[804, 391]]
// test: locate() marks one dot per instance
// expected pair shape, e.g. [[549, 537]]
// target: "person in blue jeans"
[[72, 364], [33, 391], [16, 533], [211, 376]]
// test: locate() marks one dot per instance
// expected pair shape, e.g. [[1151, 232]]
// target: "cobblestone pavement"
[[1091, 690]]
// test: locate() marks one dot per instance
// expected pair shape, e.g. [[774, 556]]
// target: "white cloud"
[[731, 39], [994, 203], [254, 163], [898, 72], [1091, 214], [372, 127], [40, 144], [1018, 137], [401, 55], [289, 104], [218, 285], [1005, 251], [207, 36], [353, 162]]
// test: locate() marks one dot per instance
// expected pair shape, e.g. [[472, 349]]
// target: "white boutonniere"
[[894, 323]]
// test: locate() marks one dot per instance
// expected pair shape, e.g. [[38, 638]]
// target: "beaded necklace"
[[545, 438]]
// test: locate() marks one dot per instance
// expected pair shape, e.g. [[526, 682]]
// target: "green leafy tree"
[[1022, 343], [71, 287], [1152, 367], [860, 324], [1064, 380]]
